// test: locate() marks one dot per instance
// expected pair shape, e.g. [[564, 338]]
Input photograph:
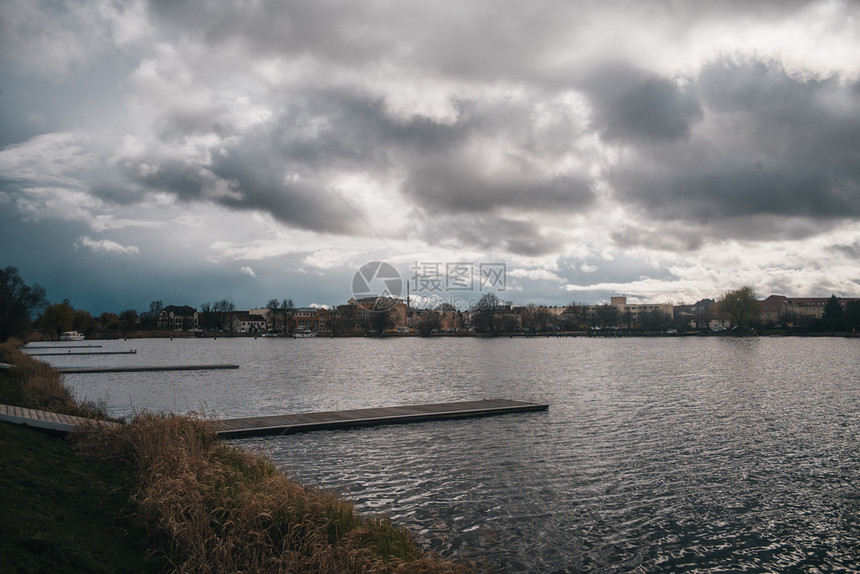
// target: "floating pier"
[[54, 422], [69, 353], [306, 422], [71, 370], [29, 348]]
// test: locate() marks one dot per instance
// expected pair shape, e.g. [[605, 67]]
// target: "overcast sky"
[[195, 151]]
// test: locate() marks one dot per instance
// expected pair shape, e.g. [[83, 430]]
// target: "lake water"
[[656, 455]]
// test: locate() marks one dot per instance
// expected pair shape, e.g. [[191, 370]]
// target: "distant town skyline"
[[190, 152]]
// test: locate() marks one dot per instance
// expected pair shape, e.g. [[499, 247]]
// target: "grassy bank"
[[200, 504], [63, 513]]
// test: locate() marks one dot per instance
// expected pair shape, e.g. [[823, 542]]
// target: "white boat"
[[303, 333], [71, 336]]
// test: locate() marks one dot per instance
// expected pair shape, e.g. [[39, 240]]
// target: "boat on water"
[[303, 333], [71, 336]]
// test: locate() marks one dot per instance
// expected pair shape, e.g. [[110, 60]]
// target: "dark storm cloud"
[[457, 39], [341, 31], [117, 191], [285, 165], [449, 186], [282, 167], [492, 234], [188, 121], [479, 40], [771, 151], [682, 238], [636, 107], [851, 250], [257, 179], [492, 158], [653, 111]]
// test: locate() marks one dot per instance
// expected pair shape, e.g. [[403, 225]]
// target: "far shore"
[[595, 333]]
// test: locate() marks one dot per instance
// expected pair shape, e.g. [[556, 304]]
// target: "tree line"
[[742, 308], [23, 307]]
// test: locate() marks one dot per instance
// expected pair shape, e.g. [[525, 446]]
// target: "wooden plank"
[[69, 353], [329, 420], [56, 422], [304, 422], [73, 370], [28, 348]]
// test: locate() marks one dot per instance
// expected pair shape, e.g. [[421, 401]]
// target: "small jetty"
[[69, 353], [32, 348], [55, 422], [140, 369], [306, 422], [298, 423]]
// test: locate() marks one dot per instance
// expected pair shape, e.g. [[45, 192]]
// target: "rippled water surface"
[[670, 454]]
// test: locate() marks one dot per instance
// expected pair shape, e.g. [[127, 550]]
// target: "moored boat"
[[71, 336]]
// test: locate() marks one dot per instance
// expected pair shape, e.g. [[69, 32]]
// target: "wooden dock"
[[55, 422], [26, 348], [69, 353], [306, 422], [71, 370]]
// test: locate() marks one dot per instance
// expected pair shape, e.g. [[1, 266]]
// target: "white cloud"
[[436, 138], [539, 274], [106, 246]]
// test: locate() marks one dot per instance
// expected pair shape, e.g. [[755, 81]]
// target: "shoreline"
[[594, 334], [209, 505]]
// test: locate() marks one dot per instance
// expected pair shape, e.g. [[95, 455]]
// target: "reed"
[[36, 385], [213, 507], [210, 507]]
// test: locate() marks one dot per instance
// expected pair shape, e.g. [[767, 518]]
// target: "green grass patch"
[[96, 501], [63, 513]]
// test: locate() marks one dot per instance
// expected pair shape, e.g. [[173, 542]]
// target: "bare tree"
[[149, 319], [740, 307], [206, 319], [287, 308], [607, 315], [57, 318], [488, 310], [273, 306], [575, 316], [17, 303], [128, 319], [223, 311]]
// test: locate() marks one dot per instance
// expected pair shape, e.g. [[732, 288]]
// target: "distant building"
[[357, 312], [178, 318], [311, 318], [701, 315], [638, 309], [778, 308], [246, 322], [267, 315]]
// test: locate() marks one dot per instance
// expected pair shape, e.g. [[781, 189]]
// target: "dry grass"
[[211, 507], [36, 385], [217, 508]]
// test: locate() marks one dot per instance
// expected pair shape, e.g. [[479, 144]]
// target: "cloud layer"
[[559, 137]]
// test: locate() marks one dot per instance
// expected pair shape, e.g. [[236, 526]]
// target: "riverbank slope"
[[175, 497]]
